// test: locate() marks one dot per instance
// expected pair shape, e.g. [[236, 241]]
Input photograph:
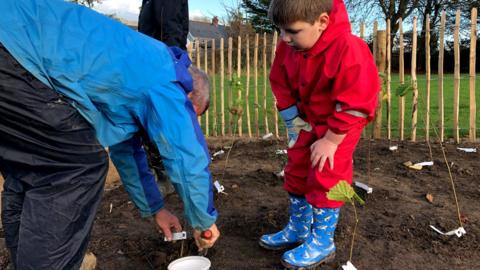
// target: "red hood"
[[339, 25]]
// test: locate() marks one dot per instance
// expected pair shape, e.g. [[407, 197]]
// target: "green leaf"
[[403, 89], [341, 192]]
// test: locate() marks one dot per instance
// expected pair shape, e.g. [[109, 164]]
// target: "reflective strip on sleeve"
[[351, 112]]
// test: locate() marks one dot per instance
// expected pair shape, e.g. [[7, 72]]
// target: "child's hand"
[[324, 149]]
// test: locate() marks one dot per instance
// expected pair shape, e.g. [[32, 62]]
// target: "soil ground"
[[393, 230]]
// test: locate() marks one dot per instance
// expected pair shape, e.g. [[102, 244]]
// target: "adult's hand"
[[167, 221], [203, 243]]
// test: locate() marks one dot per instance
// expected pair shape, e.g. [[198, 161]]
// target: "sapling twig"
[[345, 193], [237, 111], [403, 90]]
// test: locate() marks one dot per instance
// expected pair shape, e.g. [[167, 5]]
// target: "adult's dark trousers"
[[54, 170], [165, 20]]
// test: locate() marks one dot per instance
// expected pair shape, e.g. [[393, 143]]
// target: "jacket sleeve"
[[279, 80], [171, 123], [355, 90], [131, 162]]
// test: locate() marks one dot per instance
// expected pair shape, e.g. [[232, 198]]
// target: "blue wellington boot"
[[319, 247], [297, 229]]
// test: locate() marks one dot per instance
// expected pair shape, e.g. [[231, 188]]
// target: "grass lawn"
[[270, 108]]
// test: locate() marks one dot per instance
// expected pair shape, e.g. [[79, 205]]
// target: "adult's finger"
[[166, 231], [177, 226]]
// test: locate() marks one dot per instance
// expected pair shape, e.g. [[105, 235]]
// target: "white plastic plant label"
[[363, 186], [349, 266], [424, 164], [458, 232], [267, 136], [219, 153], [219, 187], [393, 148], [177, 236], [281, 174], [281, 152], [467, 150]]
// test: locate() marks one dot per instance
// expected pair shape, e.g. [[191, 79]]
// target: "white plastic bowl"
[[190, 263]]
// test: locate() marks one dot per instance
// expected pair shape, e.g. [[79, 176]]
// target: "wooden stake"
[[441, 57], [214, 90], [381, 53], [389, 80], [429, 77], [247, 90], [239, 76], [401, 100], [267, 130], [207, 128], [222, 85], [199, 65], [472, 134], [230, 90], [362, 30], [414, 82], [275, 111], [255, 70], [456, 80]]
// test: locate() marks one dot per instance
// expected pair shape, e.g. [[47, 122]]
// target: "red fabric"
[[302, 179], [339, 69]]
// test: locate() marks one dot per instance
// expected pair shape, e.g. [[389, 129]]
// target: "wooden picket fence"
[[242, 103]]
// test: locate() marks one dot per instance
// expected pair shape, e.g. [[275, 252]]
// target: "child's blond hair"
[[284, 12]]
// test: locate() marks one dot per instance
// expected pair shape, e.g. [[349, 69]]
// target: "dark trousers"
[[54, 172], [165, 20]]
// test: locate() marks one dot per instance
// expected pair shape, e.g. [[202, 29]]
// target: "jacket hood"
[[339, 25]]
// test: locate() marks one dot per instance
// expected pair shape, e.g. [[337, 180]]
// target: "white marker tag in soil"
[[281, 174], [363, 186], [219, 153], [393, 148], [177, 236], [424, 164], [219, 187], [458, 232], [268, 136], [349, 266], [467, 150], [281, 152]]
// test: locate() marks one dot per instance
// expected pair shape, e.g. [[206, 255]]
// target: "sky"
[[129, 9]]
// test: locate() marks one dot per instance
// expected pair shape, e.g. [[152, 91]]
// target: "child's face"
[[303, 35]]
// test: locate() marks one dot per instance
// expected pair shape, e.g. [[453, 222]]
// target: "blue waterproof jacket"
[[120, 81]]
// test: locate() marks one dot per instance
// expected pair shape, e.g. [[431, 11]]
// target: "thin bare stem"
[[452, 182], [231, 147], [354, 230]]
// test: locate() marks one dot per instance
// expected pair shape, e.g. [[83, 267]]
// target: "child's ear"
[[323, 21]]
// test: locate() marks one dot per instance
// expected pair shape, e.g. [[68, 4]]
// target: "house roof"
[[205, 30], [197, 30]]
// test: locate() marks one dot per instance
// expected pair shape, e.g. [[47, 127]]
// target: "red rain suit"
[[335, 86]]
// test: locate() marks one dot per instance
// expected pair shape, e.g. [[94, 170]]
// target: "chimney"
[[215, 21]]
